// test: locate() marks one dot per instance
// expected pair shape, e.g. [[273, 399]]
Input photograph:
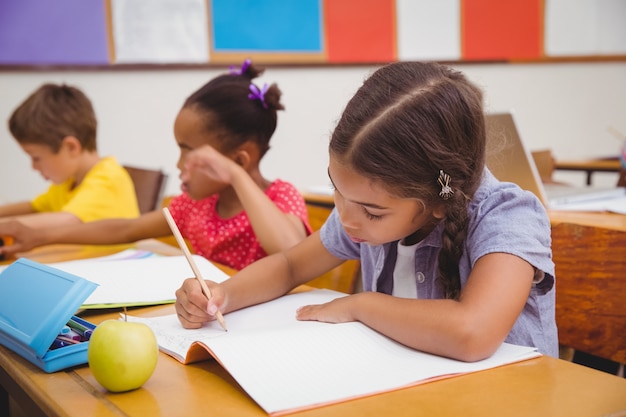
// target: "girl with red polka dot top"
[[228, 212]]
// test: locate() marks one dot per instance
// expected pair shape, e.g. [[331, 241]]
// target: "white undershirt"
[[404, 284]]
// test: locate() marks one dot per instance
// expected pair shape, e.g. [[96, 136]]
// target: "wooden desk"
[[542, 386], [611, 164], [605, 220]]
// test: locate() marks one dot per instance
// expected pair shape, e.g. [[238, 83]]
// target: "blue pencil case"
[[36, 303]]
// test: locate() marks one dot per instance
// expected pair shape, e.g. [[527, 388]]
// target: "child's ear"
[[242, 158], [72, 145], [439, 212], [247, 155]]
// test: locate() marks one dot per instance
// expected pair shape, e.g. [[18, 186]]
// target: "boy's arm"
[[16, 209], [101, 232], [46, 219]]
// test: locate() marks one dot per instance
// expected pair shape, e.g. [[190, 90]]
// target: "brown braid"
[[454, 234]]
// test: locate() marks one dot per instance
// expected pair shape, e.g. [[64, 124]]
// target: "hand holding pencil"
[[192, 263]]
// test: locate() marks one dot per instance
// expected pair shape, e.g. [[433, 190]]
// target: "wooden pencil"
[[192, 263]]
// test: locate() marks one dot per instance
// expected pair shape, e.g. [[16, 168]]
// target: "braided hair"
[[409, 124]]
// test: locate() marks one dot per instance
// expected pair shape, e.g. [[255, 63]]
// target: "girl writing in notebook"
[[454, 262], [228, 211]]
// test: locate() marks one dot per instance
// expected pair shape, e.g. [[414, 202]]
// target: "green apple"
[[122, 355]]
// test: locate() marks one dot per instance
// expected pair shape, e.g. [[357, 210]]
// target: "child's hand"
[[192, 306], [336, 311], [207, 161], [23, 238]]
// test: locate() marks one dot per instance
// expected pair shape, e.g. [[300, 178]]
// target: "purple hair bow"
[[244, 67], [256, 94]]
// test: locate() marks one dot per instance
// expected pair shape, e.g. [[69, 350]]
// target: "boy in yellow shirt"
[[56, 126]]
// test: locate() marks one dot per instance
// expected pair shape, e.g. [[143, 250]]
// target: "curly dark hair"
[[232, 115]]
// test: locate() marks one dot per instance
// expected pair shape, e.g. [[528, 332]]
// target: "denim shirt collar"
[[384, 282]]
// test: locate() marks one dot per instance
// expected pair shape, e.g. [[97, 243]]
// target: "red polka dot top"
[[231, 241]]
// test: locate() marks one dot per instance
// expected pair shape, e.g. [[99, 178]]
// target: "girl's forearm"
[[256, 284], [442, 327], [275, 230]]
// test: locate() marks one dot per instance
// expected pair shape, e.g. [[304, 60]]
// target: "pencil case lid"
[[36, 301]]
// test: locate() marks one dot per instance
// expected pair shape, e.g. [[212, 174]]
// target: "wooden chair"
[[546, 164], [149, 185], [591, 290], [343, 278], [621, 180], [170, 239], [544, 160]]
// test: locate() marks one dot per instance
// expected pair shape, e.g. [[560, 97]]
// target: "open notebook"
[[509, 160], [286, 365]]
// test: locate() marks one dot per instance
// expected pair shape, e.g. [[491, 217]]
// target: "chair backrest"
[[344, 277], [544, 160], [149, 185], [591, 289], [621, 180]]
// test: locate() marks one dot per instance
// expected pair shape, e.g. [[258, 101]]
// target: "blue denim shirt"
[[502, 218]]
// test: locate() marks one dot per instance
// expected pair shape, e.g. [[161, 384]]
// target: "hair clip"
[[444, 180], [233, 70], [256, 94]]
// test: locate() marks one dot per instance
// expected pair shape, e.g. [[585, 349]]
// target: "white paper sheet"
[[160, 31], [613, 205], [125, 280]]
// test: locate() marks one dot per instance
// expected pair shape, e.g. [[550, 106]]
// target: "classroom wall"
[[564, 106]]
